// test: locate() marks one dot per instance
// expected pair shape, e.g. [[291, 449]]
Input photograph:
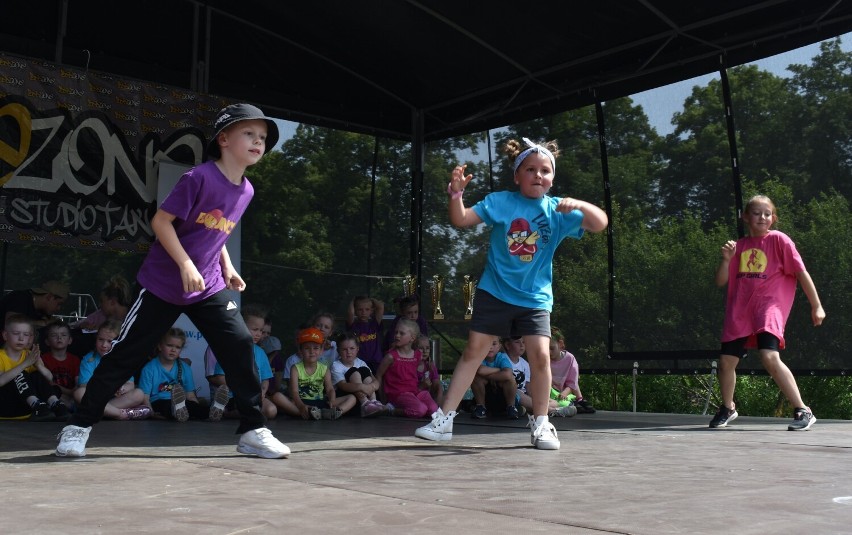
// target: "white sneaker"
[[440, 429], [220, 400], [543, 435], [260, 442], [72, 441]]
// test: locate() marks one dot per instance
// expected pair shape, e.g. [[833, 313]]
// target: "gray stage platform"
[[616, 473]]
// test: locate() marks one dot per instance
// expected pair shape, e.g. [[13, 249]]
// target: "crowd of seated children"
[[63, 365], [427, 372], [397, 375], [351, 375], [566, 375], [364, 317], [25, 390], [167, 383], [223, 399], [310, 382], [408, 307], [495, 380], [129, 401]]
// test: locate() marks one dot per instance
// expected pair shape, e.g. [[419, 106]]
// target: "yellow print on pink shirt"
[[216, 220], [753, 261]]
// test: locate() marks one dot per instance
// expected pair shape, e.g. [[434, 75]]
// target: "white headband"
[[533, 147]]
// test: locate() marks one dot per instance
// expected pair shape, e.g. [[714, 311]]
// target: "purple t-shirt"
[[207, 207]]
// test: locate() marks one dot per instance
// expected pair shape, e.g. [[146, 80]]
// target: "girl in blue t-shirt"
[[514, 296]]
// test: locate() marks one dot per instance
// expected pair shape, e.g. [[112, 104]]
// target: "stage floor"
[[617, 472]]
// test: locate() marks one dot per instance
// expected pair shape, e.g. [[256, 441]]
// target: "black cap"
[[240, 112]]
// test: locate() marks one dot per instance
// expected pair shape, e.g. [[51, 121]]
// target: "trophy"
[[409, 285], [468, 290], [437, 290]]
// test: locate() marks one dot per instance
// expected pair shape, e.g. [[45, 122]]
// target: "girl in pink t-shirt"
[[398, 374], [761, 271]]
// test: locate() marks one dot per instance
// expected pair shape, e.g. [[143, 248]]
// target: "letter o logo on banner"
[[8, 154]]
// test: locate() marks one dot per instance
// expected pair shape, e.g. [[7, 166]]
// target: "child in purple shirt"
[[187, 271]]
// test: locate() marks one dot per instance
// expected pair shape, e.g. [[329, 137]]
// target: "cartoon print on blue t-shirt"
[[521, 241]]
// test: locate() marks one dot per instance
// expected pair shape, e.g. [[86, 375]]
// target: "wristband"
[[453, 194]]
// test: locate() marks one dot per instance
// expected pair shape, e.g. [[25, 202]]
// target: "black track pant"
[[218, 319]]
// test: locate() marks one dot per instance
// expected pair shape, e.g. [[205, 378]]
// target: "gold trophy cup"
[[437, 290], [409, 285], [468, 290]]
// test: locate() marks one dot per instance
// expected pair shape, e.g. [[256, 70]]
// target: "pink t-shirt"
[[565, 371], [761, 287], [401, 376]]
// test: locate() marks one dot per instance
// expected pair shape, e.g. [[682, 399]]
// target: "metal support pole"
[[713, 372], [635, 374]]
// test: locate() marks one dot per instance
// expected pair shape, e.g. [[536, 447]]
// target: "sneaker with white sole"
[[803, 419], [567, 411], [723, 417], [140, 412], [179, 410], [372, 408], [439, 429], [315, 412], [260, 442], [331, 414], [543, 434], [72, 441], [220, 401]]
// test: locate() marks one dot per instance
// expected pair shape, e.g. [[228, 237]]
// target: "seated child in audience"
[[351, 375], [398, 374], [129, 401], [167, 381], [324, 322], [495, 379], [364, 318], [408, 307], [566, 376], [223, 404], [272, 346], [514, 350], [427, 373], [64, 366], [25, 390], [310, 382]]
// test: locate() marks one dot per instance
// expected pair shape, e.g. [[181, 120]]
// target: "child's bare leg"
[[286, 405], [478, 388], [728, 379], [270, 411], [477, 348], [782, 376], [344, 403], [538, 355]]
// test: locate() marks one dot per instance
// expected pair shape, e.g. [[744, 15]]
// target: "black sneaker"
[[41, 412], [723, 417], [803, 419], [479, 412], [60, 412], [584, 407], [512, 413]]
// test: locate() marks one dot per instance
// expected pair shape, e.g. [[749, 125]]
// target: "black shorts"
[[737, 348], [498, 318], [363, 370]]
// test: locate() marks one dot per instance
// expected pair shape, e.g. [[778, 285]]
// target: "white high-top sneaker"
[[440, 428], [543, 435]]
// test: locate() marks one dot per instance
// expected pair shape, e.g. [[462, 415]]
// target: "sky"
[[661, 103]]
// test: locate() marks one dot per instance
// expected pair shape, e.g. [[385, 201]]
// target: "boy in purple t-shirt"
[[364, 318], [187, 271]]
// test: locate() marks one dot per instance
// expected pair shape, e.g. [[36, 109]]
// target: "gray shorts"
[[498, 318]]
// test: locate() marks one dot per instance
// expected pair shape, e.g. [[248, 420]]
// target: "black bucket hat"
[[240, 112]]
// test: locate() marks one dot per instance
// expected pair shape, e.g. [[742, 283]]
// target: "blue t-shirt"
[[501, 361], [207, 207], [88, 365], [157, 383], [261, 364], [524, 236]]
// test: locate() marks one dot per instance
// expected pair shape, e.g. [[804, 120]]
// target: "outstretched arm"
[[460, 216], [594, 219], [817, 313], [728, 251]]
